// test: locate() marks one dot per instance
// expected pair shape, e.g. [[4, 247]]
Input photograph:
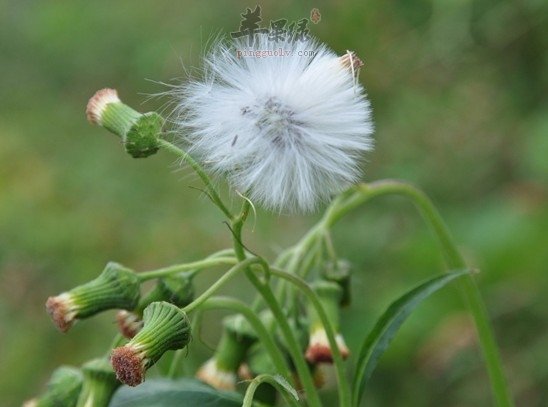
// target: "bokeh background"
[[459, 95]]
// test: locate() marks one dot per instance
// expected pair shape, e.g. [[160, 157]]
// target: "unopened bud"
[[166, 327], [221, 370], [62, 389], [177, 290], [318, 350], [139, 132], [116, 288], [129, 323], [99, 384], [214, 375]]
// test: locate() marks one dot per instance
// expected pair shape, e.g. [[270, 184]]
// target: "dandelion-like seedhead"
[[289, 131]]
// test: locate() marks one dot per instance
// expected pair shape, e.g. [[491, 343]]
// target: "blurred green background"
[[459, 96]]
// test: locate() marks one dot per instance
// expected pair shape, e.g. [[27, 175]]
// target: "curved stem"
[[213, 194], [266, 292], [240, 307], [454, 260], [178, 268], [225, 278], [298, 256], [287, 394], [344, 387]]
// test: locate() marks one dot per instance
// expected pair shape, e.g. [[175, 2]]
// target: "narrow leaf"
[[387, 327]]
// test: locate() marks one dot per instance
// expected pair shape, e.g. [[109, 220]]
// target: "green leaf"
[[174, 393], [387, 327]]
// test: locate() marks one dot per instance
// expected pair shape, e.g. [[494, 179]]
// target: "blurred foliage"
[[459, 95]]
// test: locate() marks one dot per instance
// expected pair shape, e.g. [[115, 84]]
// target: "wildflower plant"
[[287, 134]]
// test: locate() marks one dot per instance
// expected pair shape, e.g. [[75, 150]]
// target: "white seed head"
[[288, 131], [98, 103]]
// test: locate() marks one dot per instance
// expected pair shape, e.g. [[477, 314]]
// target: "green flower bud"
[[62, 389], [99, 384], [221, 370], [177, 290], [116, 287], [339, 272], [318, 350], [139, 132], [166, 327]]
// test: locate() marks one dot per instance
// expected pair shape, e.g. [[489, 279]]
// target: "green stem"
[[344, 386], [266, 292], [454, 260], [175, 365], [266, 339], [175, 362], [288, 396], [178, 268], [213, 194], [225, 278], [298, 256]]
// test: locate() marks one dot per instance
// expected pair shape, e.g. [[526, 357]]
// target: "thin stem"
[[266, 292], [240, 307], [288, 396], [299, 253], [213, 194], [178, 268], [454, 260], [344, 386], [225, 278], [175, 362]]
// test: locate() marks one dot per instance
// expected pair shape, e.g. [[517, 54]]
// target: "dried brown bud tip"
[[351, 61], [98, 103], [59, 308], [319, 351], [216, 377], [129, 324], [129, 365]]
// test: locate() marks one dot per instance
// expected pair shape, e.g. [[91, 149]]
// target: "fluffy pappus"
[[287, 130]]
